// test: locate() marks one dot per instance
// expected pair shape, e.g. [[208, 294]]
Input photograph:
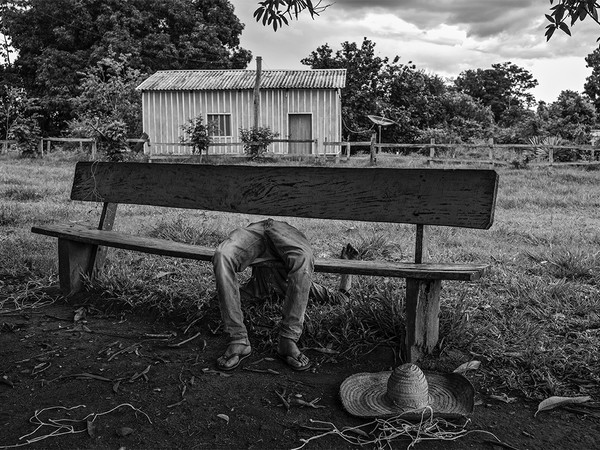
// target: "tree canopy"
[[56, 40], [502, 87]]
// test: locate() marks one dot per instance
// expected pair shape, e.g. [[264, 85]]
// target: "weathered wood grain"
[[438, 271], [461, 198]]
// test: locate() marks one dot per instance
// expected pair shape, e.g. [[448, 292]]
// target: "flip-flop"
[[289, 360], [235, 366]]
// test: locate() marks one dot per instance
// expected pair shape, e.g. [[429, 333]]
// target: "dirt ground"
[[158, 395]]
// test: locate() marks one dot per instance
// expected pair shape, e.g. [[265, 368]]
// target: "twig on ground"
[[141, 374], [311, 404], [176, 404], [129, 349], [187, 340], [282, 397], [271, 371]]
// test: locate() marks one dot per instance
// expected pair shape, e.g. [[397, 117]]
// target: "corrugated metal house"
[[297, 104]]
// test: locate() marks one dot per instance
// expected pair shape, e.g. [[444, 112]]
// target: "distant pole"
[[257, 91]]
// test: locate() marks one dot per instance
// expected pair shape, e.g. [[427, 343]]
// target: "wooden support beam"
[[73, 263], [422, 317]]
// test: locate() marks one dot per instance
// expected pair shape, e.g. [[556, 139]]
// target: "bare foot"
[[233, 356]]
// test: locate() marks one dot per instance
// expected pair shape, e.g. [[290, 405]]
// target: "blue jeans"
[[269, 239]]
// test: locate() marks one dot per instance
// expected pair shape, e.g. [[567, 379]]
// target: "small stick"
[[191, 323], [137, 375], [126, 349], [285, 402], [186, 341], [176, 404], [272, 371]]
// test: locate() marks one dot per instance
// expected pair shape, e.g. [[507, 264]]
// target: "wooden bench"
[[423, 197]]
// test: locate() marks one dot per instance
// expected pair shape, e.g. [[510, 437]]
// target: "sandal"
[[240, 356], [294, 362]]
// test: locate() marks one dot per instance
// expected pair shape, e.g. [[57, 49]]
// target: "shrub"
[[256, 140], [197, 134]]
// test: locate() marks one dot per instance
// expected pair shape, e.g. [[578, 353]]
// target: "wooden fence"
[[5, 145], [542, 155], [487, 153]]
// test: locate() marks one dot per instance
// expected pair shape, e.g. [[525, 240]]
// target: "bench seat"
[[157, 246]]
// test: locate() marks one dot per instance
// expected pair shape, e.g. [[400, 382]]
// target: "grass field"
[[534, 322]]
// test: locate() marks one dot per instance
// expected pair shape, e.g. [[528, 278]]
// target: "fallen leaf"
[[79, 314], [471, 365], [554, 402], [124, 431], [116, 387], [91, 428], [225, 417]]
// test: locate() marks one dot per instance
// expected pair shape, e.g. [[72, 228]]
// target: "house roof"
[[191, 80]]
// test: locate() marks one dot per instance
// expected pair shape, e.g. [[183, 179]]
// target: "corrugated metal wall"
[[164, 112]]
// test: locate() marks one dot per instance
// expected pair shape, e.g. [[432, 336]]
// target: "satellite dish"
[[381, 121]]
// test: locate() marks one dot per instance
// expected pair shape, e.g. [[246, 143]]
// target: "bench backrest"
[[451, 197]]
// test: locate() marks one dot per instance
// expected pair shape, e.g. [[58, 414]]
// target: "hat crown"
[[407, 387]]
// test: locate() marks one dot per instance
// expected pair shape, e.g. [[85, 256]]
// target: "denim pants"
[[269, 239]]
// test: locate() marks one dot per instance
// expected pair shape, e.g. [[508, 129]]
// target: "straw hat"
[[408, 391]]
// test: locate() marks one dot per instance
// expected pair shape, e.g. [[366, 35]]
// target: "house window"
[[219, 124]]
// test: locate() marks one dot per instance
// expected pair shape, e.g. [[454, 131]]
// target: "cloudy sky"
[[443, 37]]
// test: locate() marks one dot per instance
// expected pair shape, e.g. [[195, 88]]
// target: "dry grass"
[[534, 322]]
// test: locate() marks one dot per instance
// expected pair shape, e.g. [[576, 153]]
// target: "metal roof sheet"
[[189, 80]]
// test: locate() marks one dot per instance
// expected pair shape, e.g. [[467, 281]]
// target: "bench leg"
[[74, 261], [422, 317]]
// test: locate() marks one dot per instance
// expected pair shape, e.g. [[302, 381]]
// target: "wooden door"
[[300, 127]]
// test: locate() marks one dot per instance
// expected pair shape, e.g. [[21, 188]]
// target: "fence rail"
[[491, 153]]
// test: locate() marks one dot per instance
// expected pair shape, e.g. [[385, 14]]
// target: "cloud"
[[443, 37]]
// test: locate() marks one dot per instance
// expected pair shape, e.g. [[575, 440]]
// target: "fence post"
[[551, 155], [373, 155], [41, 147], [94, 150], [348, 151], [48, 146], [431, 152], [491, 151]]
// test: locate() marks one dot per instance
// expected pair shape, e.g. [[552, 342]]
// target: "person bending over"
[[268, 239]]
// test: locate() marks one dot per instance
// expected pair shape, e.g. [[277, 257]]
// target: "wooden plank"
[[451, 197], [77, 233]]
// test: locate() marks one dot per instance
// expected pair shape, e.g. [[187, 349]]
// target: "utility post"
[[257, 92]]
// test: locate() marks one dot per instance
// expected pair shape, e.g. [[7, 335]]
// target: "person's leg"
[[296, 253], [234, 255]]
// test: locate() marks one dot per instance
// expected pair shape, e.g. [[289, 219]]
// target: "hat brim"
[[365, 395]]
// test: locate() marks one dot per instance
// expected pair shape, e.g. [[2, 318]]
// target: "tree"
[[57, 40], [367, 81], [503, 87], [571, 117], [109, 107], [592, 83]]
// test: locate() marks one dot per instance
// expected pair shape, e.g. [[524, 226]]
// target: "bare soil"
[[105, 360]]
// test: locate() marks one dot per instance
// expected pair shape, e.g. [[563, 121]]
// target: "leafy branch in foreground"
[[570, 9], [276, 12]]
